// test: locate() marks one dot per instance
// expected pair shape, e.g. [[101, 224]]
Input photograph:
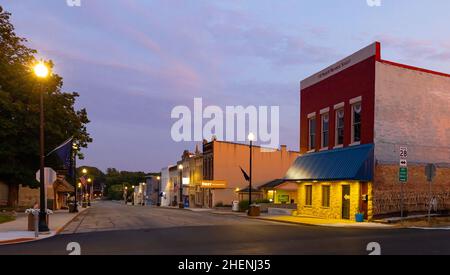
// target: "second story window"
[[339, 127], [312, 133], [356, 122], [325, 130]]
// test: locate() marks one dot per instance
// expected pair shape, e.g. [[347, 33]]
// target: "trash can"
[[235, 206], [254, 210], [359, 217]]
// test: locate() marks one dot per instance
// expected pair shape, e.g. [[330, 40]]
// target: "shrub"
[[219, 204], [262, 201], [243, 205]]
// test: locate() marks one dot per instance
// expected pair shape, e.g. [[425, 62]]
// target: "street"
[[113, 228]]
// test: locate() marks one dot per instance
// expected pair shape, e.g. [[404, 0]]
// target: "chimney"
[[283, 148]]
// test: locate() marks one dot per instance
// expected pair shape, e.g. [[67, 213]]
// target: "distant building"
[[355, 115], [222, 176], [165, 187]]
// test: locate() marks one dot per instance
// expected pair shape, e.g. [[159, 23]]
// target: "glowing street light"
[[84, 171], [41, 71]]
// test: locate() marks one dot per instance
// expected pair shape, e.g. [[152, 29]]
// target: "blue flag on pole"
[[64, 153]]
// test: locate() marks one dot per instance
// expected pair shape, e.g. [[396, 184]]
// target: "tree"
[[19, 110]]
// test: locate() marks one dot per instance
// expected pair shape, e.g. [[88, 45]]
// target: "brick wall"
[[387, 194]]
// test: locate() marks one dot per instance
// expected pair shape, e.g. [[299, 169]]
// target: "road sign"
[[49, 176], [403, 174], [403, 152], [403, 163], [430, 172]]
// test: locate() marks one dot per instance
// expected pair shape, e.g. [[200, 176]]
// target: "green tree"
[[19, 110]]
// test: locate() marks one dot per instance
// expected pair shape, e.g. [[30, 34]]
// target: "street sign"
[[49, 176], [430, 172], [403, 174], [403, 152], [403, 163]]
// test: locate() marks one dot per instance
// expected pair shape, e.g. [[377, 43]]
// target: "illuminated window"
[[308, 195], [326, 196]]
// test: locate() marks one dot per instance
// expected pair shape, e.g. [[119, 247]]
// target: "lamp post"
[[41, 71], [125, 193], [134, 193], [180, 168], [251, 138], [158, 200], [74, 174], [144, 193], [83, 189], [89, 181]]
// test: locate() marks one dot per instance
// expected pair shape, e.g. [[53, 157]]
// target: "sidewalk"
[[15, 231], [325, 222]]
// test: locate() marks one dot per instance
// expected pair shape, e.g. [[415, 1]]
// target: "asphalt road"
[[113, 228]]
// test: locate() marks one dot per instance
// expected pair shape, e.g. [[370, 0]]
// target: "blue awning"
[[350, 163]]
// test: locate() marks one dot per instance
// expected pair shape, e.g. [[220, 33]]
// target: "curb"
[[27, 240], [323, 225]]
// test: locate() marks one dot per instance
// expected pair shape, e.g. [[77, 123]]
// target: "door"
[[364, 198], [346, 202]]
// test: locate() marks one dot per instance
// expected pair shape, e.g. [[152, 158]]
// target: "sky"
[[133, 61]]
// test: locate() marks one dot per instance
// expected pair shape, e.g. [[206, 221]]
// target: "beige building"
[[222, 163]]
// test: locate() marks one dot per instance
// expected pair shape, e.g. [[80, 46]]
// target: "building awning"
[[279, 184], [350, 163]]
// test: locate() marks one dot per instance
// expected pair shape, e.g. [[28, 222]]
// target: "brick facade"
[[387, 195]]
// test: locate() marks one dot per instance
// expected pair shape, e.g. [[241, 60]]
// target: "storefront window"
[[326, 196], [308, 195], [356, 122], [339, 127]]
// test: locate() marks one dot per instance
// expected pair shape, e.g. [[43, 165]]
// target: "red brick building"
[[354, 117]]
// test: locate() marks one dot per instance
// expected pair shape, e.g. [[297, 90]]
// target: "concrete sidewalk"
[[15, 231], [325, 222]]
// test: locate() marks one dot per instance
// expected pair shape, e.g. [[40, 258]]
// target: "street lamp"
[[251, 138], [41, 71], [132, 202], [74, 175], [144, 192], [89, 180], [158, 200], [180, 168]]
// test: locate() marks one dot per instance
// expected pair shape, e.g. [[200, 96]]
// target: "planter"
[[254, 211], [359, 217]]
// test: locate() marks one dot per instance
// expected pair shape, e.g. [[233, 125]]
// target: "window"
[[312, 133], [308, 195], [325, 130], [339, 127], [356, 122], [326, 196]]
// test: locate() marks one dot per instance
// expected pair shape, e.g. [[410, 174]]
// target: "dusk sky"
[[132, 61]]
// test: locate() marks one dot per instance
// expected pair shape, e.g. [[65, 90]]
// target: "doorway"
[[346, 202]]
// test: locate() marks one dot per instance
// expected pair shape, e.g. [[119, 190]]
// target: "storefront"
[[280, 191], [335, 184]]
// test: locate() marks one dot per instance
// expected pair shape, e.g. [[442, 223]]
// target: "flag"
[[246, 176], [64, 153], [83, 180]]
